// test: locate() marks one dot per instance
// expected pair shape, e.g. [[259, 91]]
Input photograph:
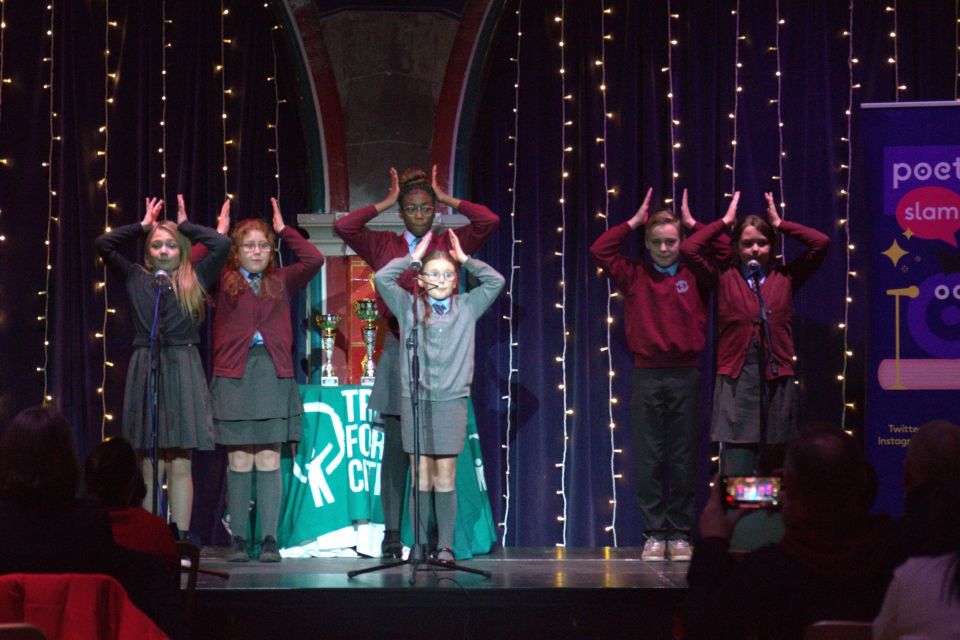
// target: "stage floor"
[[532, 593]]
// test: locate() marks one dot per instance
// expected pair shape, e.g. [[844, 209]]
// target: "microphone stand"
[[153, 383], [766, 353], [417, 558]]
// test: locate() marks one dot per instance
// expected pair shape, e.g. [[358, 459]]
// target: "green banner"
[[331, 487]]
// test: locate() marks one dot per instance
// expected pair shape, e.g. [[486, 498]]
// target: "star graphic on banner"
[[908, 233], [895, 252]]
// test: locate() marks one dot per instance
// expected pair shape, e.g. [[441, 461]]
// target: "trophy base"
[[367, 381], [329, 381]]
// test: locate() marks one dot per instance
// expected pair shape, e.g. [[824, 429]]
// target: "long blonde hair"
[[186, 287]]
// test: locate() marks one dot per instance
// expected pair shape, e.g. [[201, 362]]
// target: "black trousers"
[[665, 408]]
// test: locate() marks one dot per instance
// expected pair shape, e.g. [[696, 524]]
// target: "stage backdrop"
[[913, 345]]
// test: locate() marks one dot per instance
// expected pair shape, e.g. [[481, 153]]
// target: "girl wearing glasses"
[[256, 404], [445, 348], [184, 417], [418, 198]]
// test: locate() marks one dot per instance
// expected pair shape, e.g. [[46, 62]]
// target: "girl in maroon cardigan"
[[738, 390], [256, 404]]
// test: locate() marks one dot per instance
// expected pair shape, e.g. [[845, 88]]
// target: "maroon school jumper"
[[377, 248], [737, 305], [664, 316]]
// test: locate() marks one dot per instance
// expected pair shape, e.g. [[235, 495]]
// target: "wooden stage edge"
[[533, 593]]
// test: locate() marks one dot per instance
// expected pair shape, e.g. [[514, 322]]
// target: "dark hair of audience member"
[[38, 461], [112, 475], [827, 470], [946, 521]]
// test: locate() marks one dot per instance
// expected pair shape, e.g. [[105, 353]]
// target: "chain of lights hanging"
[[732, 167], [562, 305], [608, 191], [104, 184], [275, 125], [956, 50], [895, 60], [51, 195], [3, 81], [674, 122], [846, 169], [163, 99], [224, 91], [511, 281], [781, 154]]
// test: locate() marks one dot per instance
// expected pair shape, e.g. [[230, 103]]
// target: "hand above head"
[[153, 208], [223, 220], [277, 216], [772, 215], [421, 249], [640, 217], [455, 247], [181, 209], [731, 215], [442, 196], [392, 194], [686, 218]]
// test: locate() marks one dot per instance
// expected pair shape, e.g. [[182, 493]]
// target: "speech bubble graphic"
[[932, 213]]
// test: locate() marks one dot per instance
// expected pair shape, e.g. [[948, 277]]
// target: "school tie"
[[439, 309], [255, 280]]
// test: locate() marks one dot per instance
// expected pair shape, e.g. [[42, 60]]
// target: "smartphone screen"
[[751, 492]]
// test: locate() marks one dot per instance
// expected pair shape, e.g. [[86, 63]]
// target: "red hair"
[[232, 280]]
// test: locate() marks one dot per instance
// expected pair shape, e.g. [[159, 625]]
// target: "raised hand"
[[181, 209], [277, 216], [421, 249], [455, 247], [223, 220], [442, 196], [640, 217], [731, 215], [392, 194], [772, 214], [153, 208], [686, 218]]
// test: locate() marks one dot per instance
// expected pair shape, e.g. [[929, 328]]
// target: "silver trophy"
[[327, 324], [366, 308]]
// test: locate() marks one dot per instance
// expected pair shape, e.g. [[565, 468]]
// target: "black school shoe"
[[269, 551], [392, 547], [238, 550]]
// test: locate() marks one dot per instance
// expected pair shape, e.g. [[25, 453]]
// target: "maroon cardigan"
[[737, 305], [239, 317], [664, 316], [377, 248]]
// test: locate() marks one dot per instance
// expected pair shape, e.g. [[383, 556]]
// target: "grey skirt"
[[443, 426], [736, 406], [258, 408], [184, 416], [386, 396]]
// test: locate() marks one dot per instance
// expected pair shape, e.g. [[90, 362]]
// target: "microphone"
[[161, 278], [756, 271]]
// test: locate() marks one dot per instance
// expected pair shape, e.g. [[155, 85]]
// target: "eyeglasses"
[[253, 246], [437, 275], [411, 209]]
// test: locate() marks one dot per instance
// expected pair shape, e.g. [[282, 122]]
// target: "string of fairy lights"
[[956, 50], [165, 44], [608, 192], [104, 184], [895, 59], [781, 154], [737, 89], [566, 150], [277, 101], [3, 81], [224, 92], [512, 369], [847, 224], [674, 122], [52, 219]]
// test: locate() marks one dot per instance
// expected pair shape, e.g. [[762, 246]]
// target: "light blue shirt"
[[445, 303], [412, 240], [670, 271]]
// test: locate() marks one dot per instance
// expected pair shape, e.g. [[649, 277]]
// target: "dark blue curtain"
[[813, 59], [194, 153]]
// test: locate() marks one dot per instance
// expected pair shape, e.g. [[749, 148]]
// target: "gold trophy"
[[366, 308], [327, 324]]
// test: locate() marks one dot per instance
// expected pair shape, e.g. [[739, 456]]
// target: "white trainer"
[[654, 550], [679, 550]]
